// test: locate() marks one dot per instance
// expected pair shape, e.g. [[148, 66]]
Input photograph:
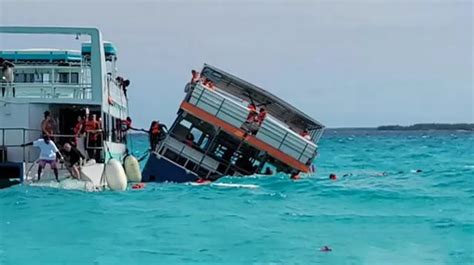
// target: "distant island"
[[429, 126]]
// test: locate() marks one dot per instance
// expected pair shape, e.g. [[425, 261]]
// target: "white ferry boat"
[[68, 84]]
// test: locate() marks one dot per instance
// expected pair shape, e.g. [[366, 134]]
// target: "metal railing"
[[47, 90], [15, 138], [271, 131]]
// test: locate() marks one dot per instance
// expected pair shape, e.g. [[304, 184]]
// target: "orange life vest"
[[155, 130], [92, 126]]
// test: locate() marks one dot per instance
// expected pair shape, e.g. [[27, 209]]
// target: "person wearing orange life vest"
[[261, 116], [91, 126], [78, 129], [305, 134]]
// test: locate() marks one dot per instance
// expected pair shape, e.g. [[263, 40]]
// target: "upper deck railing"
[[47, 91], [272, 132]]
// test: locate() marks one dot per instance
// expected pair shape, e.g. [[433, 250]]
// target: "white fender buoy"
[[132, 169], [115, 175]]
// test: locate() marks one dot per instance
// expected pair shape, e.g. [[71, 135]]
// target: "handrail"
[[299, 152]]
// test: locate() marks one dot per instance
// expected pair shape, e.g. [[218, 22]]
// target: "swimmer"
[[295, 176], [325, 249], [332, 176]]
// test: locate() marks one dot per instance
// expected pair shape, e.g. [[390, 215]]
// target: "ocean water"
[[382, 212]]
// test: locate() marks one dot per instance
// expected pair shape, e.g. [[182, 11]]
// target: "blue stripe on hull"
[[160, 169]]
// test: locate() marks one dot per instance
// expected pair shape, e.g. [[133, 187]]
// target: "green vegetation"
[[429, 126]]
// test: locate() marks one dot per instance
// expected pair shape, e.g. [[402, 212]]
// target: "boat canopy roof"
[[277, 107], [41, 55], [109, 48]]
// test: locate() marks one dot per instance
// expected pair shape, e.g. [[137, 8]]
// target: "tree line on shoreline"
[[429, 126]]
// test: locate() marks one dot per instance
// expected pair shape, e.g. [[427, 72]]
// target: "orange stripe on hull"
[[239, 133]]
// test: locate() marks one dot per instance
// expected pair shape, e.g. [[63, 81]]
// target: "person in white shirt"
[[49, 154]]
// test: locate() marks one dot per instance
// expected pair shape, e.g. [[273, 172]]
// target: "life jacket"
[[155, 130], [78, 128], [261, 117], [252, 113], [91, 126]]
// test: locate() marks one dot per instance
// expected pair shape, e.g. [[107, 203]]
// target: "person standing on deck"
[[91, 128], [7, 75], [305, 134], [47, 125], [78, 129], [261, 116], [49, 154]]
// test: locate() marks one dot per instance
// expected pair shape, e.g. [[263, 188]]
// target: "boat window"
[[63, 77], [196, 133], [204, 142], [45, 78], [74, 78], [186, 124], [114, 130], [24, 78]]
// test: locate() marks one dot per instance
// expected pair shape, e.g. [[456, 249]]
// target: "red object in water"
[[295, 176], [138, 186], [325, 249], [332, 176]]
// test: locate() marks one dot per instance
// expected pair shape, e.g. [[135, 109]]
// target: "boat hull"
[[161, 169]]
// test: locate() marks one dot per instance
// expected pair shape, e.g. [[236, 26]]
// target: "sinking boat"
[[212, 136]]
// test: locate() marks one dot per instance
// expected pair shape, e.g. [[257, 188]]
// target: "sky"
[[345, 63]]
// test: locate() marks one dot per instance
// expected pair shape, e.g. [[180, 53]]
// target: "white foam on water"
[[66, 184], [232, 185]]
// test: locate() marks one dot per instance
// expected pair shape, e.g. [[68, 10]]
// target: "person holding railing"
[[305, 134], [252, 123], [73, 159], [261, 116], [49, 154]]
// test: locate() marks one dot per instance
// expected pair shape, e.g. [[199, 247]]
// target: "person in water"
[[49, 154], [73, 159], [47, 125]]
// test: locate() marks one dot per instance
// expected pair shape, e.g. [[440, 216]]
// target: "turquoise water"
[[403, 217]]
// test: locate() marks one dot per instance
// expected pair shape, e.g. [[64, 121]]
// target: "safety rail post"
[[220, 107], [24, 140], [200, 96], [302, 152], [282, 140]]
